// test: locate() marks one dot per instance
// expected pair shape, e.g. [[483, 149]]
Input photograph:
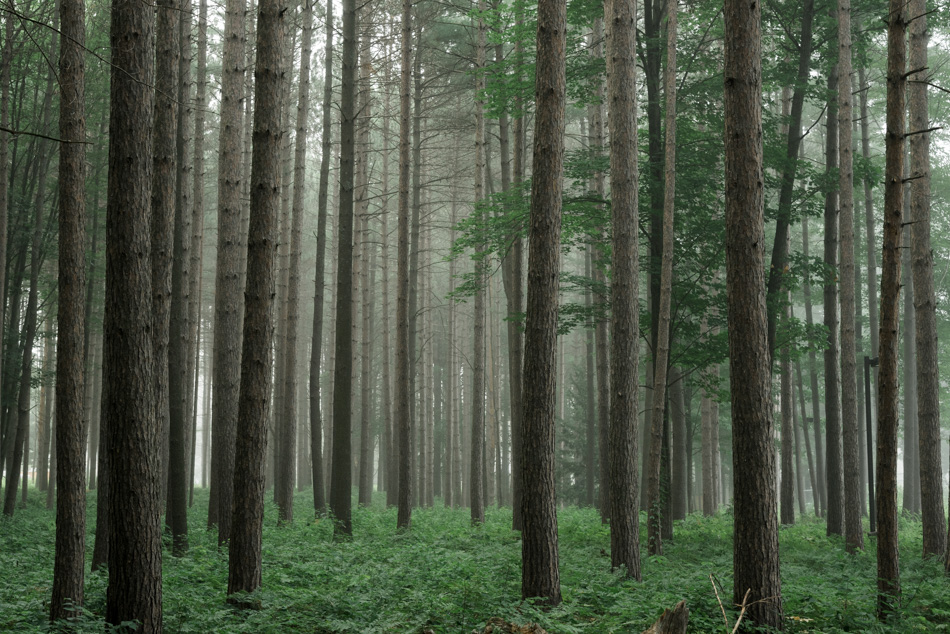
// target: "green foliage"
[[449, 577]]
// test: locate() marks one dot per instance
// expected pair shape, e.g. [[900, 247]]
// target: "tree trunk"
[[624, 288], [69, 563], [539, 576], [756, 565], [812, 471], [178, 345], [244, 560], [135, 547], [341, 475], [820, 499], [854, 536], [928, 375], [228, 301], [661, 350], [316, 339], [888, 576]]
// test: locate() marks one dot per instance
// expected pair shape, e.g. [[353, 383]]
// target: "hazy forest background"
[[360, 315]]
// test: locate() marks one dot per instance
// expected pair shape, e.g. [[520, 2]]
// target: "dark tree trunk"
[[755, 548], [135, 545], [341, 474], [888, 575], [244, 561], [69, 563], [403, 421], [539, 575]]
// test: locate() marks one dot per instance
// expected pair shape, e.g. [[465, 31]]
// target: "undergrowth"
[[446, 576]]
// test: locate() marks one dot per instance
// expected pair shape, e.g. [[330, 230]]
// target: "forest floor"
[[446, 576]]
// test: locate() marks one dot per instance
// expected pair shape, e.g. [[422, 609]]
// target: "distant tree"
[[755, 548], [539, 557], [135, 546], [70, 558]]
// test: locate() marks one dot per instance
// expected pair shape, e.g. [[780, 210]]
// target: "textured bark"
[[44, 417], [888, 575], [244, 561], [871, 264], [341, 475], [850, 428], [69, 562], [316, 339], [621, 20], [539, 574], [135, 548], [928, 375], [387, 464], [755, 558], [228, 301], [590, 427], [403, 421], [5, 64], [177, 263], [834, 489]]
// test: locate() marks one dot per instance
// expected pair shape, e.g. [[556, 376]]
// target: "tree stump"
[[671, 621]]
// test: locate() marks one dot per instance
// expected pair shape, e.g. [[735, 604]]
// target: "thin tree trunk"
[[854, 535], [341, 475], [403, 421], [820, 499], [812, 475], [316, 339]]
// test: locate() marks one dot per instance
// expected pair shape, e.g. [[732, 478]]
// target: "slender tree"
[[341, 474], [316, 340], [403, 421], [854, 535]]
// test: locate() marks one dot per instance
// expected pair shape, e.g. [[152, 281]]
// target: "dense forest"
[[356, 317]]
